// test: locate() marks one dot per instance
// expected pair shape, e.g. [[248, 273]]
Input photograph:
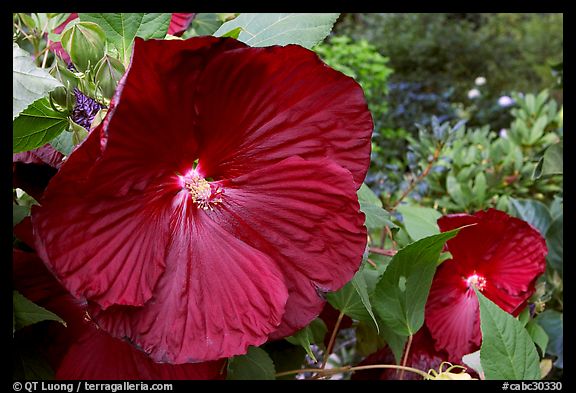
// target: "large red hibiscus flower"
[[216, 202], [502, 256], [80, 350]]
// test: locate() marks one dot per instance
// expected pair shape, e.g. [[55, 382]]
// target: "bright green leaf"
[[538, 335], [552, 322], [37, 125], [401, 307], [234, 33], [256, 364], [27, 313], [533, 212], [122, 28], [507, 351], [29, 83], [265, 29], [395, 341], [312, 334], [555, 243], [419, 221]]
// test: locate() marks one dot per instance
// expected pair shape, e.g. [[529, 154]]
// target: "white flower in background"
[[505, 101], [503, 133], [480, 81], [473, 93]]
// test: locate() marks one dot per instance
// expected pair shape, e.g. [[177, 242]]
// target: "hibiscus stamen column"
[[203, 193]]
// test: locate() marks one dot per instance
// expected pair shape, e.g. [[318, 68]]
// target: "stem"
[[45, 54], [406, 354], [383, 251], [330, 346], [389, 233], [338, 370], [425, 173]]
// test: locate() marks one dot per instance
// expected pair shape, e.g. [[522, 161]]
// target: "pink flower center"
[[203, 194], [476, 281]]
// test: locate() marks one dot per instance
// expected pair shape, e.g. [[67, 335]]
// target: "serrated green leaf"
[[552, 322], [255, 365], [400, 295], [122, 28], [28, 313], [312, 334], [555, 244], [37, 125], [265, 29], [29, 83], [538, 335], [533, 212], [507, 351], [419, 222]]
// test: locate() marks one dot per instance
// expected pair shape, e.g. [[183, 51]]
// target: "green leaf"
[[555, 243], [533, 212], [401, 293], [265, 29], [419, 222], [367, 196], [524, 316], [455, 191], [63, 143], [395, 341], [31, 365], [204, 24], [122, 28], [108, 73], [312, 334], [371, 206], [256, 364], [479, 188], [29, 83], [37, 125], [285, 356], [552, 322], [27, 313], [368, 340], [350, 301], [507, 351], [234, 33], [538, 335], [553, 160], [18, 213]]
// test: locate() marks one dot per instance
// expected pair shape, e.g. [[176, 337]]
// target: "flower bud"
[[64, 96], [84, 42], [108, 72]]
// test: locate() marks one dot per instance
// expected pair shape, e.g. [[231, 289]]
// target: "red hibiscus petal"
[[23, 231], [142, 121], [217, 297], [452, 313], [42, 155], [97, 356], [179, 23], [422, 356], [300, 213], [262, 105]]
